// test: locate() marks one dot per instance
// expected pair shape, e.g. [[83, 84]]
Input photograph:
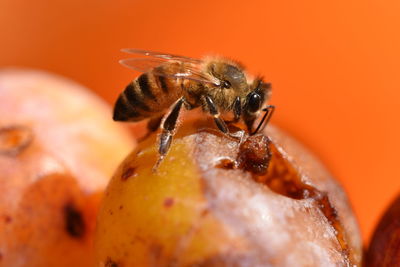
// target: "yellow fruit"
[[214, 201]]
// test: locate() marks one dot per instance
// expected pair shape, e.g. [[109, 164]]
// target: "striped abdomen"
[[145, 97]]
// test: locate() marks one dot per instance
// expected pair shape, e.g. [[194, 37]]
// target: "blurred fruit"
[[214, 201], [58, 148], [384, 249]]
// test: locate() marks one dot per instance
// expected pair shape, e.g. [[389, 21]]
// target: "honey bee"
[[170, 82]]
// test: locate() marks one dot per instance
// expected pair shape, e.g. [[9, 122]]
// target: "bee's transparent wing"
[[161, 55], [141, 64], [189, 71]]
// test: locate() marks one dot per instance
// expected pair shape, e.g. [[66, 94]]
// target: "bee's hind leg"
[[168, 127]]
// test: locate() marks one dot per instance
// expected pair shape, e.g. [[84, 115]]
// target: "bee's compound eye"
[[225, 84], [253, 102]]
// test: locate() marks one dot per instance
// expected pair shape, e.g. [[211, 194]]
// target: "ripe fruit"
[[214, 201], [58, 148]]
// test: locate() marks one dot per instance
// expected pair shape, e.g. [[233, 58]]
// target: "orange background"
[[334, 66]]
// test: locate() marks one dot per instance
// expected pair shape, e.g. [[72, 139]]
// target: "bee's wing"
[[141, 64], [160, 55], [189, 71]]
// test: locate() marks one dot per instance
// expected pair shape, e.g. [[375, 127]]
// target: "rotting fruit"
[[219, 201], [58, 149]]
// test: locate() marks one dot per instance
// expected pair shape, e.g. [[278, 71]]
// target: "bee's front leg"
[[237, 110], [249, 119], [269, 110]]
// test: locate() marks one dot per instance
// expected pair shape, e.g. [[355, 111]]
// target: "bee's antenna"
[[269, 110]]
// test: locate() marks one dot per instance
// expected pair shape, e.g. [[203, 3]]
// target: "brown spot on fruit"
[[254, 154], [129, 172], [168, 202], [74, 223], [205, 213], [156, 251], [7, 219], [110, 263], [226, 164], [14, 139]]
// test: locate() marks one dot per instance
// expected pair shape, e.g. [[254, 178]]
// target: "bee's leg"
[[249, 119], [168, 130], [237, 109], [152, 125], [214, 112], [269, 110]]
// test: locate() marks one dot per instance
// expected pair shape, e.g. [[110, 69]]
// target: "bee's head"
[[258, 95], [229, 75]]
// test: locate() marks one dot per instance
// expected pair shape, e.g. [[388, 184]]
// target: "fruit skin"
[[384, 248], [58, 148], [203, 209]]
